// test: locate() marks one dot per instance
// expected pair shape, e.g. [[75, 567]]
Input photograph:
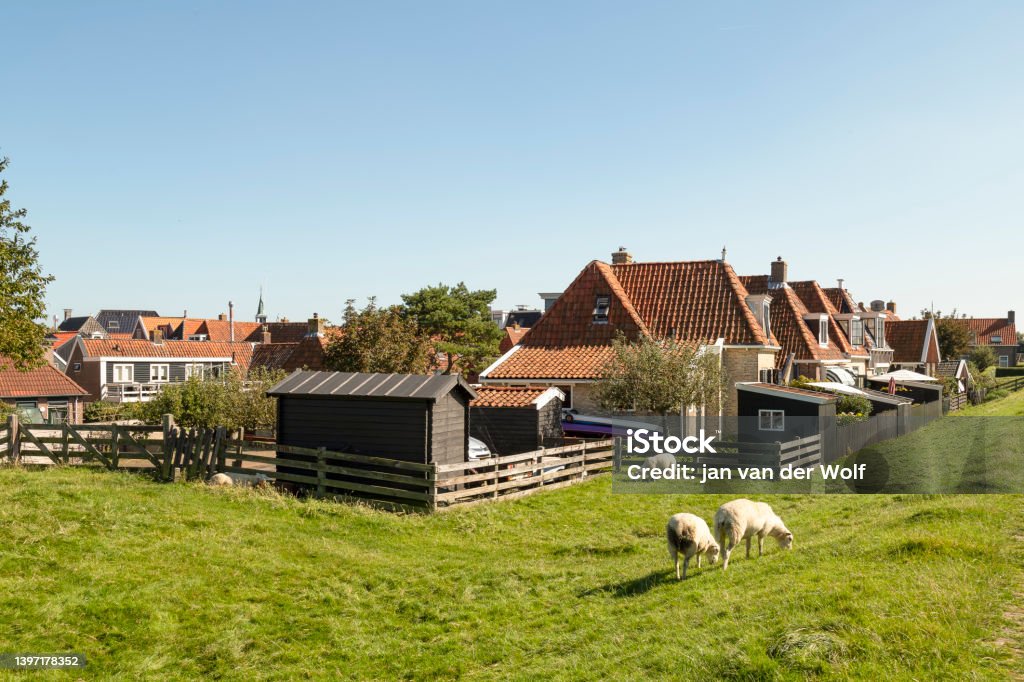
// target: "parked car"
[[478, 449]]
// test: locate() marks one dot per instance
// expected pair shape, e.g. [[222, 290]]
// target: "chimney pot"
[[622, 256], [1011, 316], [840, 282], [266, 336], [316, 326], [158, 336], [67, 313], [222, 317], [780, 271], [891, 307]]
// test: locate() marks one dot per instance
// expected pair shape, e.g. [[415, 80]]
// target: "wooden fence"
[[799, 452], [169, 452]]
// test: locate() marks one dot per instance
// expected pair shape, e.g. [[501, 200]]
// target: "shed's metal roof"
[[360, 385]]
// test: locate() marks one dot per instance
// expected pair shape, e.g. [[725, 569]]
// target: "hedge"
[[1017, 371]]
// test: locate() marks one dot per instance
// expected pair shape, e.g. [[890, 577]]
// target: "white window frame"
[[1004, 360], [996, 340], [195, 369], [776, 420], [823, 331], [119, 371], [602, 309], [766, 315], [158, 379], [198, 337], [113, 325], [856, 331]]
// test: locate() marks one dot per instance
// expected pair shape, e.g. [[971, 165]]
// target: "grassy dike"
[[183, 581]]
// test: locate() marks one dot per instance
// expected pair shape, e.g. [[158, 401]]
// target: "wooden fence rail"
[[168, 452]]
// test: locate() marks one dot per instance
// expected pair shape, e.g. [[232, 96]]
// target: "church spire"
[[261, 316]]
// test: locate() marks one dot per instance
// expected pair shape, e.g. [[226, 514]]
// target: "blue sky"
[[178, 155]]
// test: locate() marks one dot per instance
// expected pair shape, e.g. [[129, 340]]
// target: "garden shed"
[[409, 417], [770, 413], [514, 419]]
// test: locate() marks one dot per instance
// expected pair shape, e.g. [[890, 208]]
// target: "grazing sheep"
[[257, 479], [662, 461], [743, 519], [689, 534]]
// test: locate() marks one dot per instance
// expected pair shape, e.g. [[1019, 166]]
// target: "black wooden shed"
[[515, 419], [408, 417], [770, 413]]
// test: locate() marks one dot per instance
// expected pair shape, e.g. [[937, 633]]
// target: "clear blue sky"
[[176, 155]]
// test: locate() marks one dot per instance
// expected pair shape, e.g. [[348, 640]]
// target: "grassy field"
[[172, 581]]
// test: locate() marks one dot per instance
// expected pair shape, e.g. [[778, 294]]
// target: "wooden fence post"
[[167, 422], [321, 475], [497, 477], [241, 437], [114, 459], [15, 442], [65, 447], [221, 452], [583, 463]]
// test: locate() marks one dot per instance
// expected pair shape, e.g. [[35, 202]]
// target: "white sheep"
[[689, 535], [743, 519], [660, 461], [257, 479]]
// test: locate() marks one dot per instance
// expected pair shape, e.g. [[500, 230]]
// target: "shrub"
[[996, 394], [101, 411], [230, 400], [982, 356], [1017, 371], [854, 405]]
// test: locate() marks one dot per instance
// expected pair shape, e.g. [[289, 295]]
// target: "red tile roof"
[[305, 354], [220, 330], [39, 382], [788, 325], [817, 301], [984, 328], [507, 396], [138, 348], [513, 335], [907, 339], [565, 362]]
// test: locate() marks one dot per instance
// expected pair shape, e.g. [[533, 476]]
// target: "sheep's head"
[[713, 552], [785, 540]]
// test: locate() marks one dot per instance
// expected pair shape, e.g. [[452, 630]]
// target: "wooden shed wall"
[[511, 430], [450, 428]]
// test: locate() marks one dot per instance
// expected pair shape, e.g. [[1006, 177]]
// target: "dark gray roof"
[[125, 318], [524, 318], [948, 368], [85, 325], [360, 385]]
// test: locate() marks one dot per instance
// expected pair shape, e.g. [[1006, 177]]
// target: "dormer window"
[[601, 306], [766, 316], [823, 330], [996, 340], [857, 331], [880, 332]]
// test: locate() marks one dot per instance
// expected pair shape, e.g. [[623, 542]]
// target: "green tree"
[[377, 340], [660, 377], [954, 337], [232, 400], [22, 286], [458, 322], [983, 357]]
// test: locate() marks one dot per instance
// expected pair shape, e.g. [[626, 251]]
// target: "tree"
[[983, 357], [22, 287], [1020, 338], [459, 323], [954, 337], [377, 340], [660, 377]]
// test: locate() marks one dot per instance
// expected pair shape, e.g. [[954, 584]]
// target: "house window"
[[601, 306], [996, 340], [880, 332], [766, 316], [823, 330], [194, 370], [124, 374], [771, 420], [159, 373], [197, 337], [768, 376], [857, 331], [77, 367], [1004, 360], [57, 412], [113, 325], [96, 335]]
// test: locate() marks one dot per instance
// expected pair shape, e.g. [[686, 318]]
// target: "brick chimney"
[[265, 337], [158, 337], [223, 317], [622, 256], [316, 326], [891, 307], [1011, 316], [67, 313], [780, 271]]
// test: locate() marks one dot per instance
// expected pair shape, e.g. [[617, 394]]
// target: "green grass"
[[165, 581]]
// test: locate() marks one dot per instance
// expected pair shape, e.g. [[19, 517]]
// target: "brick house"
[[697, 301], [42, 394], [998, 333], [915, 345]]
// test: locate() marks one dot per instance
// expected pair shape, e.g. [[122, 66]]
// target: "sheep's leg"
[[698, 560], [678, 577], [673, 554], [760, 545], [686, 561], [726, 545], [748, 546]]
